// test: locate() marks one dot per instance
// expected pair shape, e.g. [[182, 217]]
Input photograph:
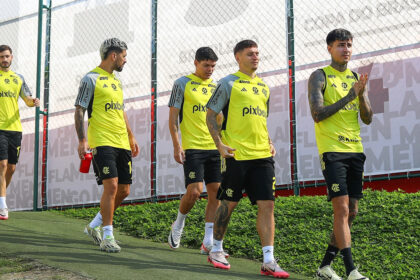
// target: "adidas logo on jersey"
[[254, 111], [199, 108], [114, 106], [243, 89]]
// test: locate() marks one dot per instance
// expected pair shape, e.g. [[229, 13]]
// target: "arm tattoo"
[[316, 99], [213, 126], [221, 220], [365, 109], [79, 116]]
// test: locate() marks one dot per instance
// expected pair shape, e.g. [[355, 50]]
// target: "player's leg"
[[193, 175], [212, 177], [260, 187], [125, 176], [4, 215]]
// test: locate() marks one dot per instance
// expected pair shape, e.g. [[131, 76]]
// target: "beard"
[[5, 64]]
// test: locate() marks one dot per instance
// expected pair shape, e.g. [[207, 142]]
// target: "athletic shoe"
[[174, 237], [355, 275], [206, 250], [4, 214], [272, 268], [327, 273], [218, 260], [95, 233], [109, 245]]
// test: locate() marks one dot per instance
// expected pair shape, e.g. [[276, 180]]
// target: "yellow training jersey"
[[12, 86], [190, 94], [341, 131], [245, 104], [101, 94]]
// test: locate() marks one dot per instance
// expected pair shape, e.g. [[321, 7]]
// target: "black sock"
[[348, 260], [329, 256]]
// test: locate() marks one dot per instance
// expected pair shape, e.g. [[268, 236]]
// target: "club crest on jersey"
[[114, 87], [204, 90], [255, 90]]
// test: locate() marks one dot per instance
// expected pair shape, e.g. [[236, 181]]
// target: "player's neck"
[[248, 72], [107, 67], [5, 69], [339, 67]]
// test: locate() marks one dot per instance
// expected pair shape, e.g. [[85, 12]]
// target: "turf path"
[[58, 241]]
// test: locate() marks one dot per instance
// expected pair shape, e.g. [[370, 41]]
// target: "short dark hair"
[[5, 48], [244, 45], [340, 35], [205, 53]]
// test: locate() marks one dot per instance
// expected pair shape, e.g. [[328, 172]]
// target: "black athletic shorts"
[[109, 162], [255, 177], [202, 165], [343, 173], [10, 142]]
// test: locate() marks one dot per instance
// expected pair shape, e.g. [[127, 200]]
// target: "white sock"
[[108, 231], [180, 220], [268, 252], [217, 246], [97, 221], [208, 235], [3, 202]]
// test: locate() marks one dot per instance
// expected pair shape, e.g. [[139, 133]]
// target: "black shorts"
[[10, 142], [255, 177], [343, 173], [202, 165], [109, 162]]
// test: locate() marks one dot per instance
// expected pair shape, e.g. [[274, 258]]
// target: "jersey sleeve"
[[177, 95], [24, 89], [220, 97], [86, 90]]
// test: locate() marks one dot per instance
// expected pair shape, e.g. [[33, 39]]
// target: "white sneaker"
[[355, 275], [205, 250], [174, 238], [327, 273], [110, 245], [95, 233], [4, 214]]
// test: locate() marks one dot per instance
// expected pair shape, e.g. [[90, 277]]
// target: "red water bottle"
[[85, 163]]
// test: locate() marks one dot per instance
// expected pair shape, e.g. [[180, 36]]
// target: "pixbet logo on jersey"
[[199, 108], [114, 106], [254, 111]]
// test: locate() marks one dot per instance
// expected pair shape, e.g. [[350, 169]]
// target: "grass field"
[[56, 244]]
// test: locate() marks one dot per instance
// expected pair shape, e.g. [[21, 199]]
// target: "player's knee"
[[3, 166], [353, 213], [11, 169], [193, 194], [341, 212]]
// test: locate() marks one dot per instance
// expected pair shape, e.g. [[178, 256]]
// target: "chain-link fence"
[[387, 40]]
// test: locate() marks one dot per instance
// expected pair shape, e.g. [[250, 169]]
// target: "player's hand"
[[133, 146], [360, 85], [226, 151], [83, 148], [179, 155], [272, 150], [37, 102]]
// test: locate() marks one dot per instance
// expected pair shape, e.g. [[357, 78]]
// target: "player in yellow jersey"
[[12, 86], [196, 152], [248, 152], [337, 96], [109, 136]]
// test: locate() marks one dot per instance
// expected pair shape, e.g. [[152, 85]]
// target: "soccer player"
[[197, 153], [12, 85], [109, 136], [337, 96], [244, 143]]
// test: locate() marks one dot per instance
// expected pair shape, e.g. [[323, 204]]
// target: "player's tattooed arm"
[[214, 125], [366, 113], [79, 116], [316, 98]]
